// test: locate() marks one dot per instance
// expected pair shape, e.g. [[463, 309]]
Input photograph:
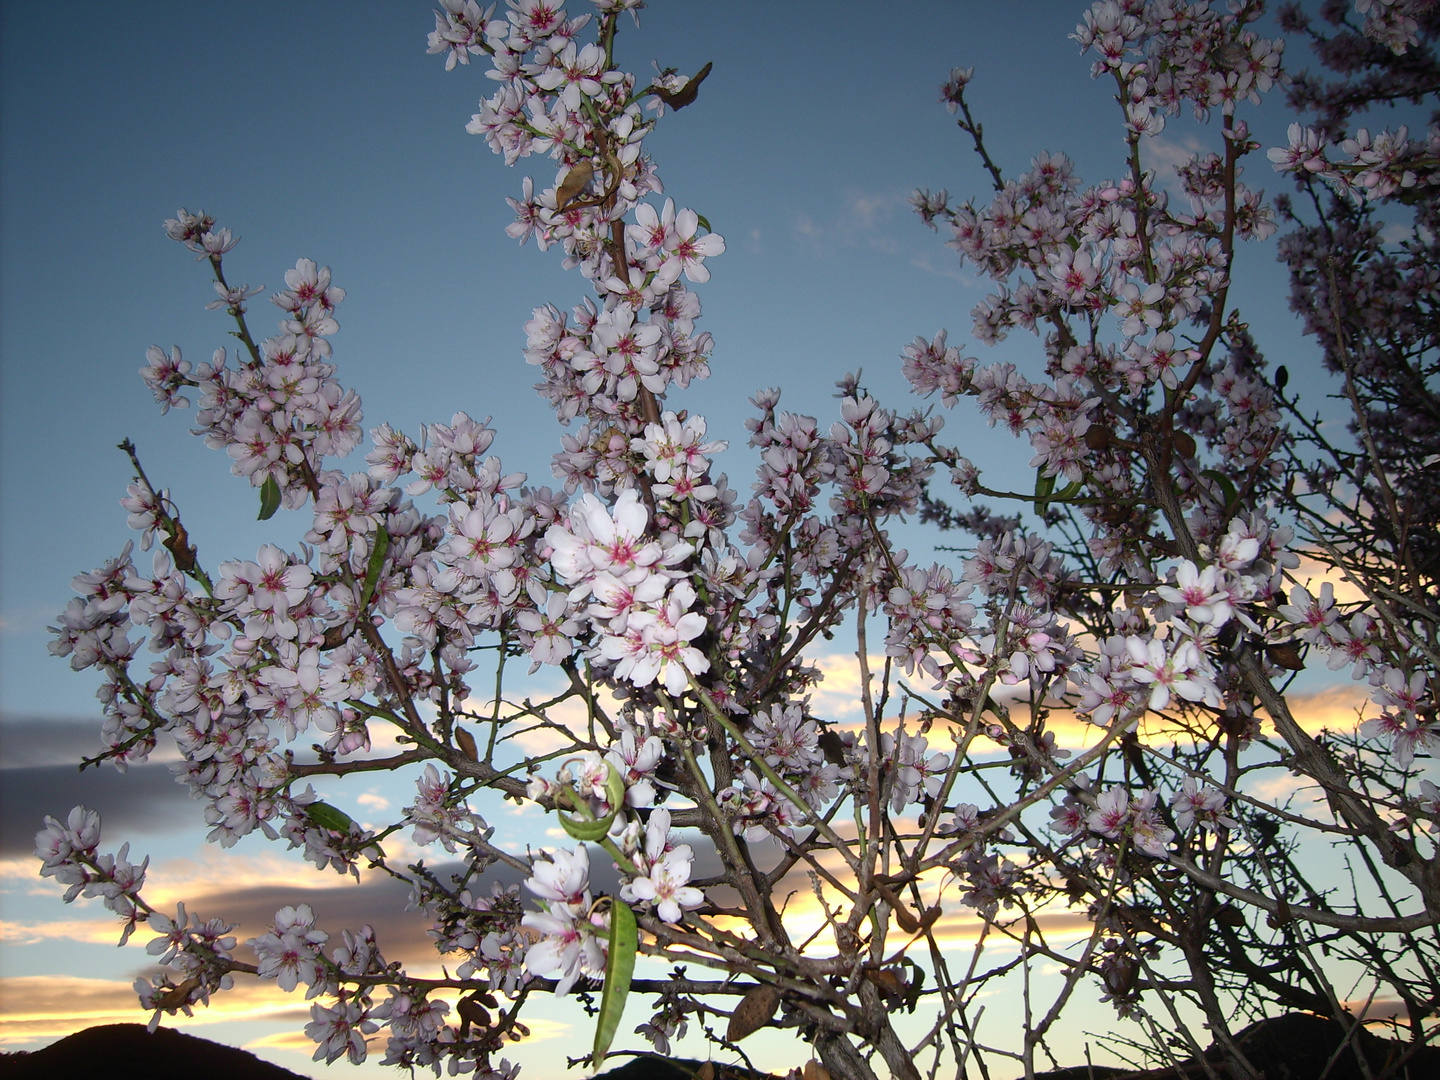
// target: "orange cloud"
[[47, 1007], [26, 869], [103, 929], [1336, 708], [296, 1041], [1376, 1009], [1312, 574]]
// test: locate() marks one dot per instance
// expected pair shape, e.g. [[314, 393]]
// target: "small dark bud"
[[466, 742], [889, 981], [574, 183]]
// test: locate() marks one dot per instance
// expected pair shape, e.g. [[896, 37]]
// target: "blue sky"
[[323, 130]]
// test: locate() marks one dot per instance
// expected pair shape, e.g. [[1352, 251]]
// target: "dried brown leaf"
[[888, 980], [574, 183], [1230, 915], [1286, 655]]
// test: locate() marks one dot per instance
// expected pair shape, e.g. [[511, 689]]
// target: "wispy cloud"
[[1376, 1008], [862, 220], [928, 263], [1395, 232], [1165, 154], [101, 930], [1335, 708]]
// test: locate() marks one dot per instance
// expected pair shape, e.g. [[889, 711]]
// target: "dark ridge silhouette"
[[129, 1052], [1296, 1046], [658, 1068]]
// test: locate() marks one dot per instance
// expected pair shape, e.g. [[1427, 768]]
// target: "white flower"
[[566, 949], [1197, 590], [1110, 813], [667, 889], [290, 953], [564, 877], [1196, 805]]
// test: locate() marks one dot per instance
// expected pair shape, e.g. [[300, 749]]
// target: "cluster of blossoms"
[[1407, 720], [1392, 23], [69, 852], [1370, 166], [568, 942], [1158, 593], [281, 410], [1107, 277], [640, 605]]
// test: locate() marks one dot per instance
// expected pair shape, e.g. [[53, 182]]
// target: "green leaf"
[[329, 817], [269, 499], [377, 563], [580, 829], [704, 222], [614, 789], [593, 829], [619, 968], [1227, 488], [1044, 488], [1069, 491]]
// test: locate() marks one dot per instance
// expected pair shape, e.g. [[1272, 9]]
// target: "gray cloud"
[[40, 775], [29, 741], [146, 800]]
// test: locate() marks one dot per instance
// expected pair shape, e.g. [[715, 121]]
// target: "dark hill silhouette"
[[656, 1068], [1296, 1046], [129, 1052]]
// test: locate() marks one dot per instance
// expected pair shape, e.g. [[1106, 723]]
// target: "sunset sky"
[[324, 130]]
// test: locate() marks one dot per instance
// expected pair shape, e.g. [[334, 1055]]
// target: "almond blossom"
[[687, 619]]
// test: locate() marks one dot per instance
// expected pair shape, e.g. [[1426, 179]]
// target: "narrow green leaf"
[[619, 968], [1069, 491], [1044, 488], [377, 563], [614, 789], [703, 222], [329, 817], [1226, 487], [269, 499]]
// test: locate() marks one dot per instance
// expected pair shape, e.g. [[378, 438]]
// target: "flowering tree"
[[1158, 600]]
